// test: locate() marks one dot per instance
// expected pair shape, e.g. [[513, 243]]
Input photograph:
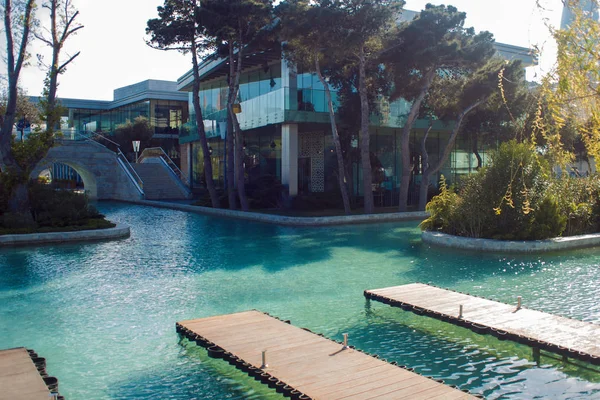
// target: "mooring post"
[[519, 302], [460, 311], [536, 355], [264, 360], [345, 341], [367, 306]]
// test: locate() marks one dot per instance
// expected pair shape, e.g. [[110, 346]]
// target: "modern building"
[[590, 7], [160, 102], [287, 133]]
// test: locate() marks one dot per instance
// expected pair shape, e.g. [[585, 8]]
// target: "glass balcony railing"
[[271, 107]]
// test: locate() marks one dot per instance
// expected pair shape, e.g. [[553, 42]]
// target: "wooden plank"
[[566, 336], [315, 366], [19, 378]]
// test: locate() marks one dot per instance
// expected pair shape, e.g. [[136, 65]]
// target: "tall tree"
[[435, 42], [312, 35], [572, 90], [453, 97], [17, 27], [63, 25], [234, 25], [178, 28], [366, 24]]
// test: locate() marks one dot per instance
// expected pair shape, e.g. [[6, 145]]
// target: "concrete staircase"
[[160, 183]]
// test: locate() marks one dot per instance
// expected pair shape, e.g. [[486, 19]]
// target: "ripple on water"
[[103, 314]]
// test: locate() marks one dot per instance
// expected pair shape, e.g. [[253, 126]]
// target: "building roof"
[[141, 91], [215, 67]]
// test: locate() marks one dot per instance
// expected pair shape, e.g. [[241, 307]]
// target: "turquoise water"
[[104, 314]]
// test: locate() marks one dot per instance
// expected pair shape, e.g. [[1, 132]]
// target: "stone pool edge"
[[289, 221], [30, 239], [501, 246]]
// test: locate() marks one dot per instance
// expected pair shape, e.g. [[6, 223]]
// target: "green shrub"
[[474, 214], [4, 193], [441, 209], [265, 192], [51, 210], [517, 179], [579, 200], [548, 221], [15, 221], [509, 200], [59, 208]]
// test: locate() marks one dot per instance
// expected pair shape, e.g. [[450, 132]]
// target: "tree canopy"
[[178, 28], [570, 93]]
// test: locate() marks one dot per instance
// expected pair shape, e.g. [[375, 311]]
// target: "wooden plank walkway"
[[565, 336], [19, 377], [306, 365]]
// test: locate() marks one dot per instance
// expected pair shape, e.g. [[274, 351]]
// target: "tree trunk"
[[365, 140], [51, 117], [208, 173], [425, 177], [432, 169], [13, 66], [238, 140], [336, 140], [476, 152], [241, 184], [19, 199], [405, 140], [62, 16], [230, 165]]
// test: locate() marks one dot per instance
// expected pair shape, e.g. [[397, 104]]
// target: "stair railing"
[[130, 171], [95, 138]]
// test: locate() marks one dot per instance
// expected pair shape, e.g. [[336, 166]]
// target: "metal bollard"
[[264, 360], [345, 341], [519, 301], [460, 311]]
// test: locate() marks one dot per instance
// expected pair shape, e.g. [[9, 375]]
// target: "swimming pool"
[[103, 314]]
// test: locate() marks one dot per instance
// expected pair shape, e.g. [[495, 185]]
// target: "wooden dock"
[[304, 365], [20, 378], [568, 337]]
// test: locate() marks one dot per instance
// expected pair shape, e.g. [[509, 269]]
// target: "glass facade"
[[260, 97], [262, 156], [165, 116], [269, 100]]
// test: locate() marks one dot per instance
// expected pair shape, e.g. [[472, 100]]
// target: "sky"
[[114, 52]]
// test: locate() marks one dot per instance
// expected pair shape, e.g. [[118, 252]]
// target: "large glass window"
[[168, 116]]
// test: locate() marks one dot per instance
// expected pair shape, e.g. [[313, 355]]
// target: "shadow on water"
[[210, 243], [461, 357], [193, 376]]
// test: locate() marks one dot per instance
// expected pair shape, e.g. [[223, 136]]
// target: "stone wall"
[[505, 246], [291, 221], [119, 231]]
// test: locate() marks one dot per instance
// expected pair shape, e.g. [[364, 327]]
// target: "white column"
[[289, 157]]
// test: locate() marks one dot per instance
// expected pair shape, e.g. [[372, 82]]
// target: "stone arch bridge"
[[105, 174]]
